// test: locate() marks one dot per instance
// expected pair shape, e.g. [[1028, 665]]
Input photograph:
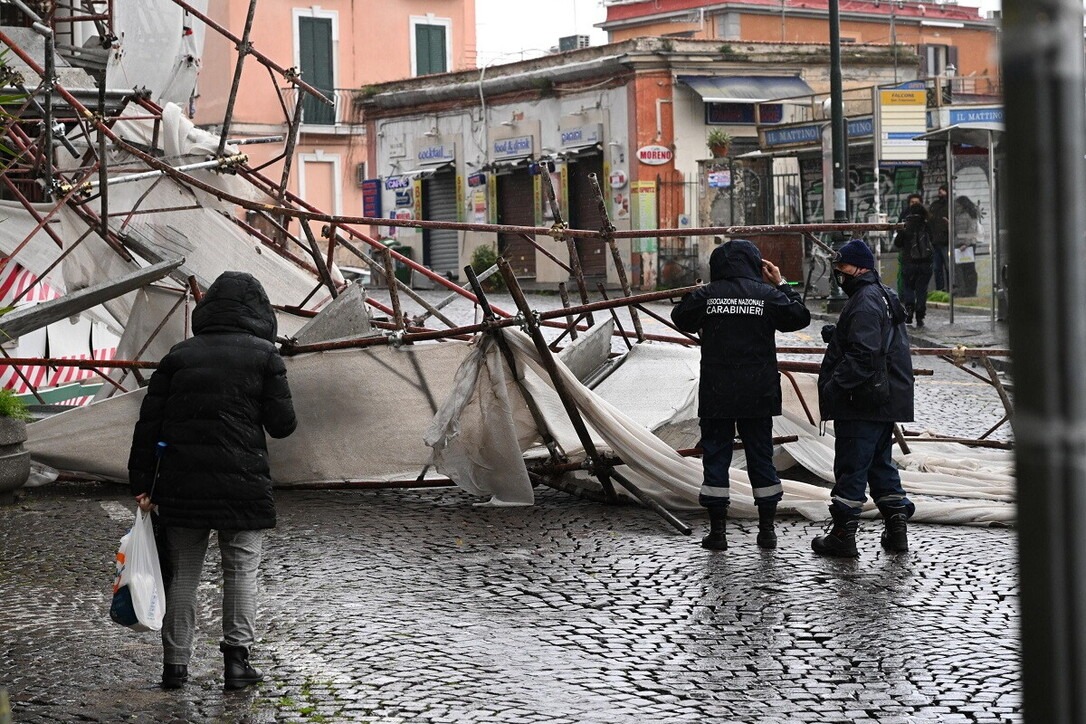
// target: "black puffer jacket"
[[210, 400], [855, 351], [737, 314]]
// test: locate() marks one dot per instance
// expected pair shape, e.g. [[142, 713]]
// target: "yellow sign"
[[904, 97]]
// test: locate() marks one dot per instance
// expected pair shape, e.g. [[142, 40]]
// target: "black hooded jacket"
[[210, 400], [855, 353], [737, 315]]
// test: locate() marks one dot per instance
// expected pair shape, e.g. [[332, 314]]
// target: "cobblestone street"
[[419, 606]]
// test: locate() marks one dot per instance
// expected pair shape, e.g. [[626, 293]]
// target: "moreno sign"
[[654, 155]]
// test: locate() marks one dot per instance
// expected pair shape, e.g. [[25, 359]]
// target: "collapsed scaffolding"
[[76, 157]]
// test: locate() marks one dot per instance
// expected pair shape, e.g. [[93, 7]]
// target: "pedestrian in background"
[[917, 250], [211, 399], [865, 385], [939, 212], [737, 315], [966, 231]]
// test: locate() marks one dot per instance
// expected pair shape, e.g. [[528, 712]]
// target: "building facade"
[[635, 115]]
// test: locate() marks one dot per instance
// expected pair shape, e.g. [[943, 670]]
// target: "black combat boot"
[[840, 542], [895, 536], [908, 315], [174, 676], [767, 537], [717, 540], [237, 672]]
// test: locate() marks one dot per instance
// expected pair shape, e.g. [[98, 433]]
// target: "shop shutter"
[[441, 247], [584, 213], [516, 206]]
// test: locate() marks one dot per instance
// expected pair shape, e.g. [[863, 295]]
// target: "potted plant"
[[482, 259], [718, 141], [14, 458]]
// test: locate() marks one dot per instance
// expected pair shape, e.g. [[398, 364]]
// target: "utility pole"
[[837, 141]]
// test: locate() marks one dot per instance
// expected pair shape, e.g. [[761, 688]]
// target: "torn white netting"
[[968, 486]]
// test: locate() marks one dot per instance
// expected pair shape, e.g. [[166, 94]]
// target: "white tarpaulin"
[[973, 486]]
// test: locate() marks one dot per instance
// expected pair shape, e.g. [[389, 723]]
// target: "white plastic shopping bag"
[[139, 596]]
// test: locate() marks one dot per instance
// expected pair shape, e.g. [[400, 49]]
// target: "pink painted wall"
[[372, 44]]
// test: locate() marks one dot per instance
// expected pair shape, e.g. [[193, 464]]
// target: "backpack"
[[921, 249]]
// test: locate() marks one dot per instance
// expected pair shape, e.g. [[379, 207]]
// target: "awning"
[[971, 134], [746, 88], [425, 172]]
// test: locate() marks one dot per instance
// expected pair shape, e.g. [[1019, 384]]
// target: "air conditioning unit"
[[360, 173]]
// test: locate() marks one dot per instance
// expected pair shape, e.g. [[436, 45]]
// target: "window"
[[934, 59], [315, 34], [430, 46], [727, 26]]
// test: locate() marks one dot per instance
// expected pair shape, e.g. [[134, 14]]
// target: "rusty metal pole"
[[608, 230], [559, 228], [393, 294], [244, 48], [563, 292], [603, 471]]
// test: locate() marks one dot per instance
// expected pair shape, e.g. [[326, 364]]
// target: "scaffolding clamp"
[[959, 355]]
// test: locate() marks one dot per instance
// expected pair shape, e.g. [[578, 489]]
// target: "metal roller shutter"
[[516, 207], [584, 213], [441, 247]]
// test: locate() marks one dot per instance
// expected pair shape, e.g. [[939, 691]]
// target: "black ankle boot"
[[174, 676], [767, 537], [908, 315], [840, 541], [717, 540], [895, 536], [237, 672]]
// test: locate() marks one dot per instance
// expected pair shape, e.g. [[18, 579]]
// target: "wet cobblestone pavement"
[[402, 606], [418, 606]]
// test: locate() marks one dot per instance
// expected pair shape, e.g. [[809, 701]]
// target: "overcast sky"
[[510, 30]]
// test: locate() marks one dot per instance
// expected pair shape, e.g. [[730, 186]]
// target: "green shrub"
[[12, 406], [482, 259], [936, 295]]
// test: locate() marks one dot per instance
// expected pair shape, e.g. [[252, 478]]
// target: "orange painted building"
[[339, 47], [941, 35]]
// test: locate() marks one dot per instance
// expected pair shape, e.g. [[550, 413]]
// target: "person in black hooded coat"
[[737, 315], [865, 385], [210, 401]]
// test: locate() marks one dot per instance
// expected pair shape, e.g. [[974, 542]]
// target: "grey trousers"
[[241, 551]]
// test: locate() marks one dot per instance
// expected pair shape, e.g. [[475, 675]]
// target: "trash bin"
[[400, 269]]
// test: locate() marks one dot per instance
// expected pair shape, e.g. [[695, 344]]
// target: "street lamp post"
[[837, 141]]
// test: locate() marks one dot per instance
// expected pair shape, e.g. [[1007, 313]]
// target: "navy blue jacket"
[[855, 351], [210, 400], [737, 315]]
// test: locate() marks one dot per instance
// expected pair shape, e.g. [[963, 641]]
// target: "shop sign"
[[654, 155], [581, 136], [404, 197], [720, 179], [477, 179], [436, 154], [397, 182], [618, 178], [517, 147], [371, 198]]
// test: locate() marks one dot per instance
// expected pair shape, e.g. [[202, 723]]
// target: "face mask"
[[847, 282], [839, 277]]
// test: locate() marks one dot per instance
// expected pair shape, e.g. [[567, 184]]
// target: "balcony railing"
[[317, 113]]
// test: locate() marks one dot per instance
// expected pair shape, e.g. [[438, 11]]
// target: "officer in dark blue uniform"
[[737, 315], [865, 385]]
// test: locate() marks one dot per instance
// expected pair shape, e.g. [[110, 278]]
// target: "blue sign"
[[404, 197], [976, 115], [477, 179], [803, 135], [397, 182], [518, 147]]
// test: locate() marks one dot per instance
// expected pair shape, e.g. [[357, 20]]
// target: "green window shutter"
[[315, 60], [430, 49]]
